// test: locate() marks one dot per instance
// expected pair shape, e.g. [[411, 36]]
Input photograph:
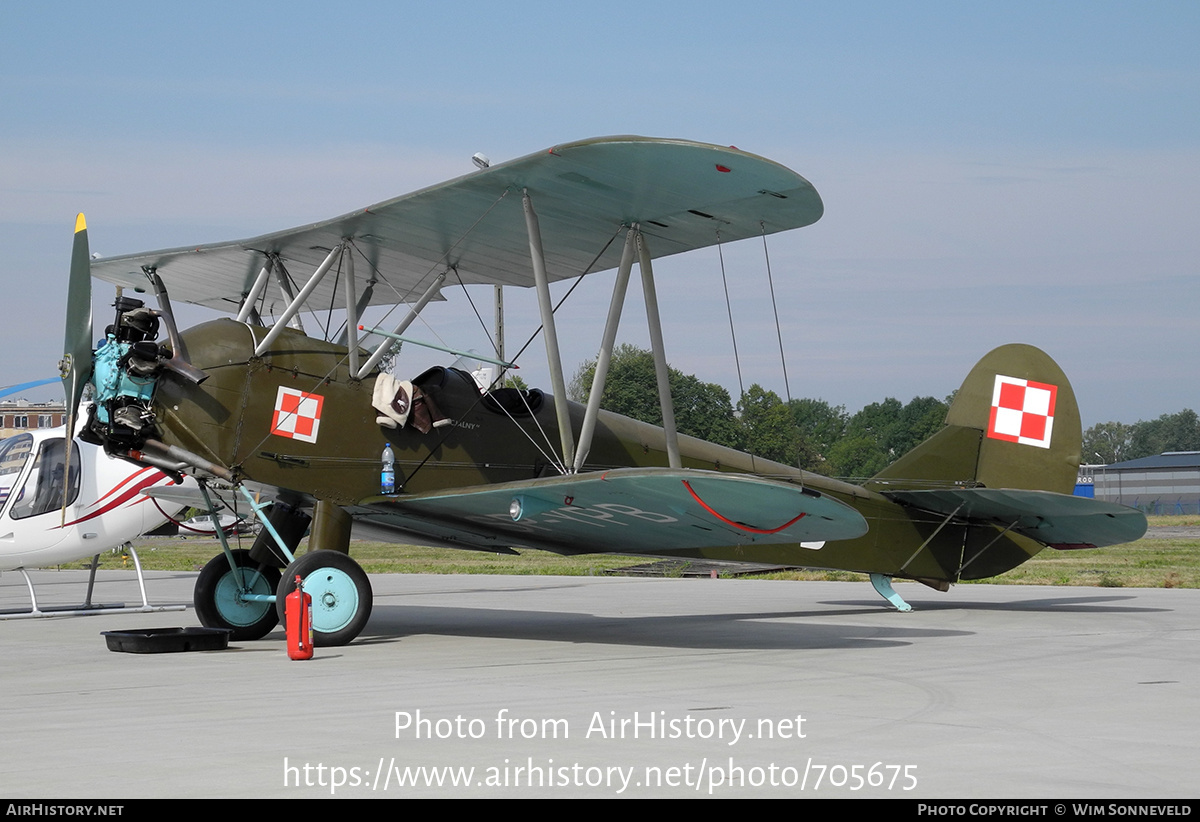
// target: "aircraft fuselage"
[[294, 419]]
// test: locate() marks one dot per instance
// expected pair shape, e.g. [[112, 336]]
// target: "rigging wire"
[[296, 290], [258, 311], [550, 457], [558, 464], [439, 263], [482, 324], [729, 310], [774, 307], [375, 270], [574, 285], [337, 276], [733, 336]]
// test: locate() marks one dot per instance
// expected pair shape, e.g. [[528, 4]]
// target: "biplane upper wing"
[[683, 195], [626, 511]]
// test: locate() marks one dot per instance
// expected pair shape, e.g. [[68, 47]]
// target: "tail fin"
[[1014, 423], [1002, 471]]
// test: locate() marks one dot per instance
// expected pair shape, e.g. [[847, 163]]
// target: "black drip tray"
[[167, 640]]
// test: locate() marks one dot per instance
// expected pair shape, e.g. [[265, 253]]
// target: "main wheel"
[[340, 591], [219, 602]]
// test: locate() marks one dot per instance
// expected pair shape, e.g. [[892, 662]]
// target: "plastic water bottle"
[[388, 476]]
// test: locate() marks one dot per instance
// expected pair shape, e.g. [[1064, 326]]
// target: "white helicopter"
[[56, 508]]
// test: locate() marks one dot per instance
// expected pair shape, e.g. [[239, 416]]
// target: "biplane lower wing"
[[625, 511], [1057, 520]]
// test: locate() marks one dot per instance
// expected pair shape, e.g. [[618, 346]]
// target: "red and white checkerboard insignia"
[[297, 415], [1022, 411]]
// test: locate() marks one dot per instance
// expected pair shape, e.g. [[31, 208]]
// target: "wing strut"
[[249, 301], [546, 307], [604, 358], [661, 371], [498, 292], [633, 240], [284, 281], [386, 345], [294, 306], [351, 314]]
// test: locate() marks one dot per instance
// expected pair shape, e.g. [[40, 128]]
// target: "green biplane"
[[268, 411]]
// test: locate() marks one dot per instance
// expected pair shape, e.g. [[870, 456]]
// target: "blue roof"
[[1171, 459]]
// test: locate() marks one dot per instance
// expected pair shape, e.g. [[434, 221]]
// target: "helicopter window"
[[14, 453], [43, 488]]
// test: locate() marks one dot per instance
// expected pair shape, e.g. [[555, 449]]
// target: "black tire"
[[341, 595], [219, 605]]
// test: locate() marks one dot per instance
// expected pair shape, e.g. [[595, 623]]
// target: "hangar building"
[[1166, 484]]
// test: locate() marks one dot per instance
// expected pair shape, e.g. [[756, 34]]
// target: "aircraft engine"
[[127, 365]]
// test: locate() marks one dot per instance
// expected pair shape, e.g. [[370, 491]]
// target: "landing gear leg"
[[883, 587]]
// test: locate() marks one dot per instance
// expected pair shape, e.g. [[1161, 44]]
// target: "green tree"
[[882, 432], [1170, 432], [811, 434], [768, 427], [821, 423], [866, 448], [820, 426], [919, 420], [630, 389], [702, 409], [857, 456], [1107, 442]]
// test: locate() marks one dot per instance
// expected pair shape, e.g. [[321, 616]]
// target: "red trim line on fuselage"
[[739, 525]]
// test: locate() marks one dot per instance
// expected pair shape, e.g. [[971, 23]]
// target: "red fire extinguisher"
[[298, 614]]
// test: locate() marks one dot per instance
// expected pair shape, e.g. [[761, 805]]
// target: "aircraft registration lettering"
[[297, 414], [1022, 411], [587, 516], [636, 513], [600, 515], [505, 521]]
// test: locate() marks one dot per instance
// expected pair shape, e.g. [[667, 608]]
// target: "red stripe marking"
[[738, 525], [121, 500], [127, 479]]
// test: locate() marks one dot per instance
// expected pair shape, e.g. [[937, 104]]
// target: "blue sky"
[[992, 173]]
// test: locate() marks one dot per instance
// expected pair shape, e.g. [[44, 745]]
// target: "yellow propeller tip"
[[80, 224]]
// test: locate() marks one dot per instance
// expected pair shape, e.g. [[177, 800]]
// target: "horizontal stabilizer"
[[1057, 520], [626, 511]]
